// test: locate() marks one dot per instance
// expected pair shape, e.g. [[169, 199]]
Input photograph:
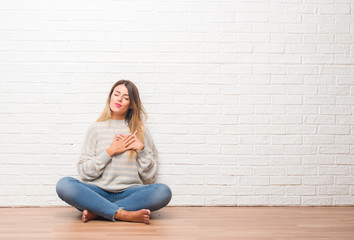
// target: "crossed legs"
[[134, 204]]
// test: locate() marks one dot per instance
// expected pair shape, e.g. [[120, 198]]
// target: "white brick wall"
[[249, 102]]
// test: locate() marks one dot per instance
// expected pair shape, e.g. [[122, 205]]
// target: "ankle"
[[119, 213]]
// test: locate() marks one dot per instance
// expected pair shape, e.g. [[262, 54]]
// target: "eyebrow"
[[123, 94]]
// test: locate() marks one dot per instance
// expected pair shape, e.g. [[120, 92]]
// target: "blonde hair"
[[136, 115]]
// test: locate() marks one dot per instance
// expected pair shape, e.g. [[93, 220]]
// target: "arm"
[[147, 159], [90, 165]]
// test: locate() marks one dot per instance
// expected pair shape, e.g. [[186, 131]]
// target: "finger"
[[130, 136], [130, 142], [130, 147], [126, 136]]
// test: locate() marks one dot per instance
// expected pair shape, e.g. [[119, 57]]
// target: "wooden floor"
[[263, 223]]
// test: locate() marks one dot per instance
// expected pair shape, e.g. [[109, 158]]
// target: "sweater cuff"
[[143, 153], [104, 158]]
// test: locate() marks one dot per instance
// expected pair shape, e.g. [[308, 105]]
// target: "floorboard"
[[245, 223]]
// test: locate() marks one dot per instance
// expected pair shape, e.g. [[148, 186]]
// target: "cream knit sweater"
[[115, 174]]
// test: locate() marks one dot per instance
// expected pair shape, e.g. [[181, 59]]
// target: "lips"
[[118, 105]]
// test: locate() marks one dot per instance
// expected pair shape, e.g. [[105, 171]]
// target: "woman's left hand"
[[137, 144]]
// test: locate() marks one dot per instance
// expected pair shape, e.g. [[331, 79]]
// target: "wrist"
[[110, 152]]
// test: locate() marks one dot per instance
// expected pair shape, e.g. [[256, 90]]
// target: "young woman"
[[118, 164]]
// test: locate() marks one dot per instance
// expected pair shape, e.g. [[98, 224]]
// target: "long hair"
[[136, 115]]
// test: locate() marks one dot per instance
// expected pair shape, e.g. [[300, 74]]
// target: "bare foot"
[[142, 216], [87, 216]]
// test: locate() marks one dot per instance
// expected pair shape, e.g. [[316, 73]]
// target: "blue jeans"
[[85, 196]]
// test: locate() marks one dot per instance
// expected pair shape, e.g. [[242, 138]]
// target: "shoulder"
[[146, 130], [96, 126], [148, 140], [147, 134], [99, 124]]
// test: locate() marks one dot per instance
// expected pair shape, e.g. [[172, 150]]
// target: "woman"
[[117, 176]]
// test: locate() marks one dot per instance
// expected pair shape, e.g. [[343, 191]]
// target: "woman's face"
[[119, 102]]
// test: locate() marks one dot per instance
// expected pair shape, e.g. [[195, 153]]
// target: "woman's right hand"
[[120, 145]]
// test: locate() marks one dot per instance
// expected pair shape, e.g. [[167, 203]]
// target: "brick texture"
[[250, 102]]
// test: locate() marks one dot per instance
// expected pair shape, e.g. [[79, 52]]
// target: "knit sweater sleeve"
[[91, 165], [147, 159]]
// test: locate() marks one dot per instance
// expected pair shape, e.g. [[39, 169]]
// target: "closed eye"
[[124, 98]]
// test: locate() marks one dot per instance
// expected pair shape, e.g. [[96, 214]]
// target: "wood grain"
[[243, 223]]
